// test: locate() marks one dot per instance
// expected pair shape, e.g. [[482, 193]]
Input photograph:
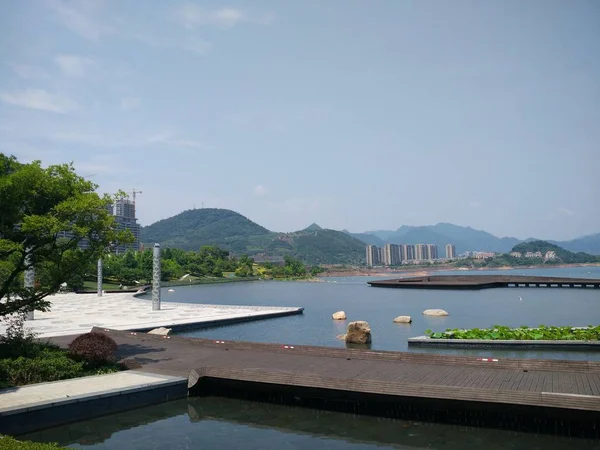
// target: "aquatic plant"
[[542, 332]]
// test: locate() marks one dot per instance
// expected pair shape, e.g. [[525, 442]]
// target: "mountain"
[[476, 239], [227, 229], [587, 244], [464, 238], [565, 255], [366, 238], [313, 227], [380, 234]]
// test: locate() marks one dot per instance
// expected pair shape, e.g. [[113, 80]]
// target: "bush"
[[9, 443], [48, 365], [94, 348], [543, 332]]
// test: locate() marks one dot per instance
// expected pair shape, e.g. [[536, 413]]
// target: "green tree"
[[44, 214]]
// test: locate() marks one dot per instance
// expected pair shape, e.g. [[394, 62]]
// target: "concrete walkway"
[[31, 408], [78, 389], [73, 314]]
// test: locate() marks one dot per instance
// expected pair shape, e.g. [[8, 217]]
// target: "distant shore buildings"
[[450, 251], [398, 254]]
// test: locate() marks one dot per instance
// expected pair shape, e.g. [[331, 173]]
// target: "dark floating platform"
[[485, 282]]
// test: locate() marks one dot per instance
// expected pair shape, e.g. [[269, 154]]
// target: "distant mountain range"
[[466, 239], [227, 229], [194, 228]]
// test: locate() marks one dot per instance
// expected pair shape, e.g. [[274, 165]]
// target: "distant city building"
[[533, 255], [432, 252], [372, 255], [550, 254], [124, 212], [420, 252], [407, 252], [516, 254], [483, 255], [391, 255], [450, 251]]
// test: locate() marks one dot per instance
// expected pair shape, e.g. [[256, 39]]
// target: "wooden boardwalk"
[[485, 282], [536, 391]]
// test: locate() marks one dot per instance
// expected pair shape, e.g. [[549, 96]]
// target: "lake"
[[379, 306], [227, 423]]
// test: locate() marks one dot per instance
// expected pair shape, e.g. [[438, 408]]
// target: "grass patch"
[[92, 285], [541, 333], [29, 361], [10, 443]]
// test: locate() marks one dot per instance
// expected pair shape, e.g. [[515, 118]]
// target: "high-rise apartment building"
[[450, 251], [420, 252], [391, 255], [372, 255], [124, 211], [407, 252], [432, 252]]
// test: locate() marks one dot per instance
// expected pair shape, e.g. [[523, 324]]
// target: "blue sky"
[[352, 114]]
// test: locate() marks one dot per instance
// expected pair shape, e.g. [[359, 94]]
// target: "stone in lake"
[[358, 332], [435, 312], [161, 331], [341, 337], [340, 315], [403, 319]]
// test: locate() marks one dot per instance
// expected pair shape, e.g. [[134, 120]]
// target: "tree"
[[44, 214]]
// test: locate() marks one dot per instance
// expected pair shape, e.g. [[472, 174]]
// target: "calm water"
[[224, 423], [215, 423], [378, 306]]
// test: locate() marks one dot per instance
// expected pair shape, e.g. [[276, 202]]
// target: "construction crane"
[[134, 194]]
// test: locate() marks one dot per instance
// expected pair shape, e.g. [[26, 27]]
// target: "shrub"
[[48, 365], [94, 348], [10, 443], [543, 332]]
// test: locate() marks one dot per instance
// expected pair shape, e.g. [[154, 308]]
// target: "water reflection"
[[229, 423]]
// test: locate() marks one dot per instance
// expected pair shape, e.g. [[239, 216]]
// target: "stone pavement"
[[73, 314]]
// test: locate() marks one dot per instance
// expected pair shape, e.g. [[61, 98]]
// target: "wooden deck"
[[536, 391], [485, 282]]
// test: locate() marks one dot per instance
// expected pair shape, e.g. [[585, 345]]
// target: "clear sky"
[[353, 114]]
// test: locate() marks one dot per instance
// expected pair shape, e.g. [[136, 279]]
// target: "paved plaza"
[[79, 313]]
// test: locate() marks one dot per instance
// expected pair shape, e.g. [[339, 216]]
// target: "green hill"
[[565, 255], [192, 229]]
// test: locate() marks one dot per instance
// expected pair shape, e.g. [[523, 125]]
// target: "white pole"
[[100, 277], [29, 281], [156, 278]]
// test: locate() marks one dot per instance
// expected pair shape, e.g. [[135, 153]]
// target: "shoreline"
[[424, 271]]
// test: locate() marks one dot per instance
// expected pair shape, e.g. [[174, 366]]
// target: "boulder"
[[341, 337], [403, 319], [435, 312], [340, 315], [358, 332], [162, 331]]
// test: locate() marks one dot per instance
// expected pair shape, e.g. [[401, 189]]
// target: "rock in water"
[[403, 319], [162, 331], [435, 312], [340, 315], [358, 332], [341, 337]]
